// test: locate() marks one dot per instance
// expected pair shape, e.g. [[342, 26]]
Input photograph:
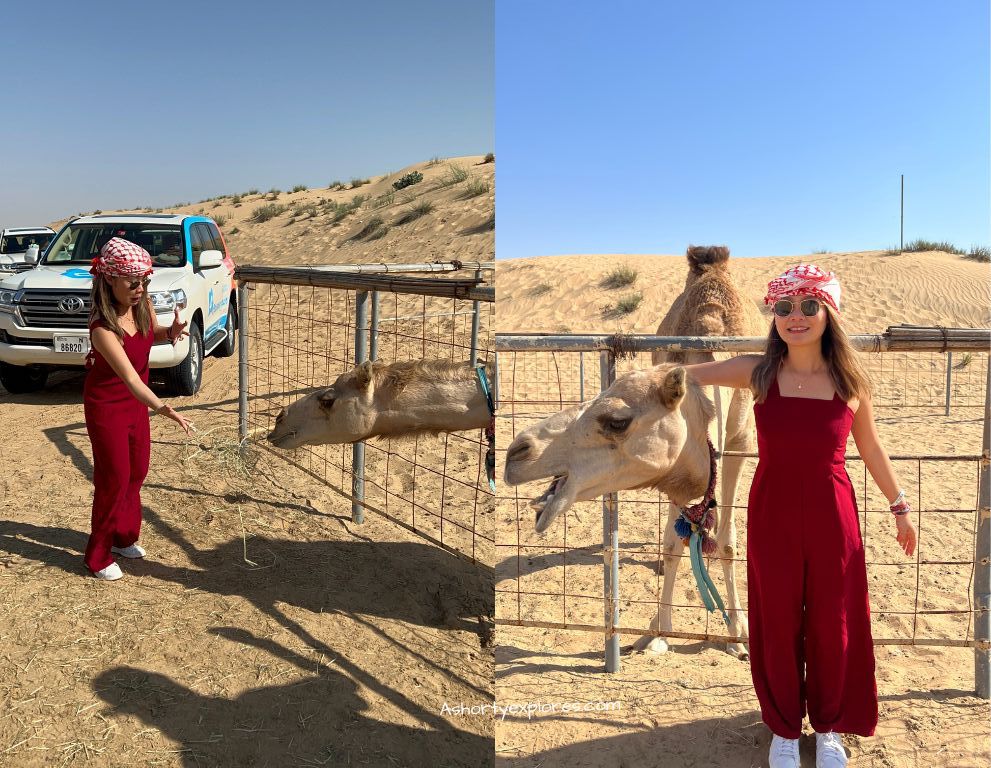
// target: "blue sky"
[[774, 128], [147, 104]]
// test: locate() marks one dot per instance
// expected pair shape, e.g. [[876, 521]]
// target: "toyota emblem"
[[71, 304]]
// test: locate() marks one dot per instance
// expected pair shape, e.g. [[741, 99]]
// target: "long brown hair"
[[102, 302], [845, 369]]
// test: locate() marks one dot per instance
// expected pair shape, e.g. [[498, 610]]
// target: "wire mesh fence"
[[566, 579], [299, 338]]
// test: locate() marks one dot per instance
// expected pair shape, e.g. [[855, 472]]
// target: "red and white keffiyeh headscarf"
[[805, 279], [119, 258]]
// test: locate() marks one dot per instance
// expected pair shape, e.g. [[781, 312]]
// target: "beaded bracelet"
[[901, 509], [900, 506]]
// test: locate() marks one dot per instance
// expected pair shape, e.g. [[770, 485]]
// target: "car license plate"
[[76, 344]]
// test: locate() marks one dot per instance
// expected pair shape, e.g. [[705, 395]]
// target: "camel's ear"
[[673, 388], [363, 376]]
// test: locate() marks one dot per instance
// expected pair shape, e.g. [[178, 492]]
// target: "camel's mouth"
[[550, 503], [281, 440]]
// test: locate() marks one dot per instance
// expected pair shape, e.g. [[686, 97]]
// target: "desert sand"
[[264, 627], [695, 705]]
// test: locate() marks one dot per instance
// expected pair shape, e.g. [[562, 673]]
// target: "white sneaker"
[[111, 573], [784, 753], [829, 751], [132, 551]]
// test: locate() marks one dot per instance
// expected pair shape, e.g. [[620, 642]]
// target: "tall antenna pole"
[[901, 238]]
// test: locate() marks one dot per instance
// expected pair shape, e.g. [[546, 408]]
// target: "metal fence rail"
[[548, 582], [301, 327]]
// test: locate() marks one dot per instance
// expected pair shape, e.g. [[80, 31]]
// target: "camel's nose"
[[519, 449]]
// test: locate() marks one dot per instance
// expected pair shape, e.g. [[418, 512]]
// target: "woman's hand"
[[168, 410], [906, 534], [177, 330]]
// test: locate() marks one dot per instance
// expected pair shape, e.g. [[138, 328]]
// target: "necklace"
[[798, 379]]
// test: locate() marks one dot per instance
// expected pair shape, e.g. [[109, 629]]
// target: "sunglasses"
[[133, 284], [784, 307]]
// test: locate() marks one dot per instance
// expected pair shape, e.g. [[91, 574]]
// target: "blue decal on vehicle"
[[78, 274], [211, 307]]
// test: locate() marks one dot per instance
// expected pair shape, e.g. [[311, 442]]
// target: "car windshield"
[[19, 243], [81, 243]]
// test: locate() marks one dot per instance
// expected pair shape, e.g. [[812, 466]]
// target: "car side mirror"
[[31, 255], [211, 259]]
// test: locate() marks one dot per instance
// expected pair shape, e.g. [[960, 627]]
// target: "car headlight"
[[8, 300], [167, 301]]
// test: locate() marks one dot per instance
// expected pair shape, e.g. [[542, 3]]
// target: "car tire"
[[228, 346], [20, 379], [184, 379]]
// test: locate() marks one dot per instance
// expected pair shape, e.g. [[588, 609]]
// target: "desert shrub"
[[932, 245], [355, 183], [624, 306], [300, 188], [476, 187], [979, 253], [455, 175], [415, 177], [489, 158], [620, 278], [341, 210], [414, 213], [367, 230], [265, 212], [220, 220], [383, 200]]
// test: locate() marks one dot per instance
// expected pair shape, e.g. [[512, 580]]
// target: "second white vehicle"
[[44, 312]]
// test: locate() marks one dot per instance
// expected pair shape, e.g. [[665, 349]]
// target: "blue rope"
[[708, 591], [490, 430], [480, 370]]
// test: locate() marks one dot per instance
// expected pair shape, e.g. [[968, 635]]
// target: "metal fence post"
[[949, 379], [474, 323], [373, 342], [982, 559], [581, 377], [358, 449], [610, 542], [242, 365]]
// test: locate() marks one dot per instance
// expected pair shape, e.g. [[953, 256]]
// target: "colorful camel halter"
[[490, 429], [694, 528]]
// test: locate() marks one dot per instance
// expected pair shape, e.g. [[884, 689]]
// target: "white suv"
[[20, 246], [44, 312]]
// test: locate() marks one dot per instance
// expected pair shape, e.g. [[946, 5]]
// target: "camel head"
[[647, 429], [344, 412]]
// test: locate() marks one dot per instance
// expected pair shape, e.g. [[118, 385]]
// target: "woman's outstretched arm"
[[732, 372]]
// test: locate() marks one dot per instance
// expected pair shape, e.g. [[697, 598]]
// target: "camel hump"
[[701, 257]]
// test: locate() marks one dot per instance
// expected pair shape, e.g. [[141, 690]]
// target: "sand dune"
[[460, 226], [564, 293]]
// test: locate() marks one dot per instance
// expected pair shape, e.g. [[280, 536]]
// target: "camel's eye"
[[327, 399], [617, 425]]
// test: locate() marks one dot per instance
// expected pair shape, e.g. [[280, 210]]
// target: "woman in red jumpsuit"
[[116, 399], [809, 618]]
